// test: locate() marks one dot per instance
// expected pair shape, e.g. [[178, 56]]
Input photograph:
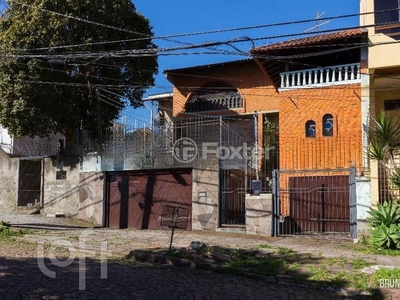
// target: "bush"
[[385, 223]]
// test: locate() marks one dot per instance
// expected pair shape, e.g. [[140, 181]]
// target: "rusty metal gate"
[[135, 199], [30, 181], [232, 197], [314, 202]]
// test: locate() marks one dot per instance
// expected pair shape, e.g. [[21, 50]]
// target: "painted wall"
[[364, 202], [8, 182]]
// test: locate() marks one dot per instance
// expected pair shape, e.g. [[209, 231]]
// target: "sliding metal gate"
[[314, 202]]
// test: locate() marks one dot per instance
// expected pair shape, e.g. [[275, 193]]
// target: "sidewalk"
[[121, 241]]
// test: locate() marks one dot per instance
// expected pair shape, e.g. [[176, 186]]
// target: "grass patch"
[[6, 232], [360, 263], [391, 274]]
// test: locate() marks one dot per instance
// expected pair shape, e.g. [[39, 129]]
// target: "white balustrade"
[[340, 74]]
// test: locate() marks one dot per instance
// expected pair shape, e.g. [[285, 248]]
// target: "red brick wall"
[[300, 105], [295, 108]]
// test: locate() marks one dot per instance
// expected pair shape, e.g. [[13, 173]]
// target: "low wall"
[[259, 214], [8, 182]]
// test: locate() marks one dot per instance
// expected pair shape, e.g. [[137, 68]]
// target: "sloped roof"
[[357, 32], [207, 66]]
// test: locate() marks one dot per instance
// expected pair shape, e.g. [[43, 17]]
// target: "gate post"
[[275, 203], [353, 203]]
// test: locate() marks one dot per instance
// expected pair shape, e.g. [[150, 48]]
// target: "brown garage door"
[[135, 199]]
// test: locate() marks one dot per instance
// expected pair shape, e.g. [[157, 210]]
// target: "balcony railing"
[[340, 74]]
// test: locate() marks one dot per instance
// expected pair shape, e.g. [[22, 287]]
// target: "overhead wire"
[[111, 86]]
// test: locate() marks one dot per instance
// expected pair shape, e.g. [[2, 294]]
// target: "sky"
[[177, 17]]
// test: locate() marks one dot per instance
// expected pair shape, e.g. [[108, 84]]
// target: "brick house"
[[311, 89]]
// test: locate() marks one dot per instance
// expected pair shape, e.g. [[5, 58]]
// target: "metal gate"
[[30, 180], [314, 202], [232, 197]]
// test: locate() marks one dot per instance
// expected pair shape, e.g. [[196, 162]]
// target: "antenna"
[[318, 22]]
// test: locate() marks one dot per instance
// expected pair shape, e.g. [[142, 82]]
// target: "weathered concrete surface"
[[61, 195], [91, 205], [205, 197], [259, 214], [8, 181]]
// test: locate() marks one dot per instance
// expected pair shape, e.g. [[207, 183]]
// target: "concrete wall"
[[8, 182], [259, 214], [78, 195], [91, 197], [205, 191], [61, 194]]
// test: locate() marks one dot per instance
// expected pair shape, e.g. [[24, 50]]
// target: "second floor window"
[[328, 123], [311, 130], [215, 96]]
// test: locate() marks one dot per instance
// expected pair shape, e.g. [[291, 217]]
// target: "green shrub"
[[387, 237], [385, 223], [387, 213]]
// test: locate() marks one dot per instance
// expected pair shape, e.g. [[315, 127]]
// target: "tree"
[[89, 37]]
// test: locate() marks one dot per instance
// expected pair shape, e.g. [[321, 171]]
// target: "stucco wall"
[[364, 202], [91, 197], [205, 198], [259, 214], [8, 181], [61, 195]]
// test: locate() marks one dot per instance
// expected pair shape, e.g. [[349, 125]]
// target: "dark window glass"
[[311, 129], [388, 16], [328, 123], [392, 104]]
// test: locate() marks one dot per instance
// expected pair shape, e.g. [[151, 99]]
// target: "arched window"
[[311, 129], [328, 124]]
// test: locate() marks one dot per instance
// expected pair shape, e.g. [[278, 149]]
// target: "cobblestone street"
[[80, 278], [20, 278]]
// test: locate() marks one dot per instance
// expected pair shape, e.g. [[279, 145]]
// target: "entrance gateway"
[[314, 202]]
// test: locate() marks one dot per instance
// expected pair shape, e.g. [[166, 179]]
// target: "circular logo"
[[184, 150]]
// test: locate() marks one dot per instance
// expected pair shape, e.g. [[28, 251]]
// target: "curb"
[[175, 261]]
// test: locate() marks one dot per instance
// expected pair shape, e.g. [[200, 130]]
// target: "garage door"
[[136, 199]]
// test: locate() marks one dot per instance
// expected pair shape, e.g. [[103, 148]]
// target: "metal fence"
[[314, 202], [184, 143]]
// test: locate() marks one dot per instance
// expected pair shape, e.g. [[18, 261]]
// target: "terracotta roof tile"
[[312, 40]]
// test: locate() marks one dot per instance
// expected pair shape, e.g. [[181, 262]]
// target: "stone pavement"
[[121, 241], [129, 280]]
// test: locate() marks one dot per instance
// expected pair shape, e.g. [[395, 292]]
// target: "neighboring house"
[[29, 147], [382, 79]]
